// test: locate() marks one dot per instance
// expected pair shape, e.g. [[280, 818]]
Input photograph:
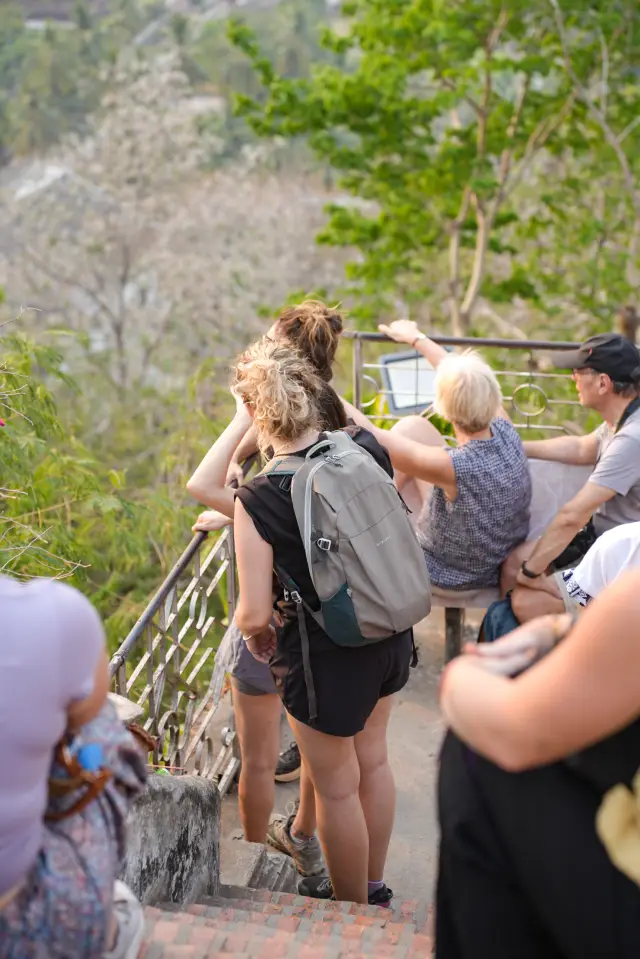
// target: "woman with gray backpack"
[[326, 516]]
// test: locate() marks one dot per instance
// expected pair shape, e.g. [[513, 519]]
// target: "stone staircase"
[[249, 865], [257, 915], [261, 924]]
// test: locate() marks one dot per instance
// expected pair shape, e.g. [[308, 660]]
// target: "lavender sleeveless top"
[[466, 541], [51, 639]]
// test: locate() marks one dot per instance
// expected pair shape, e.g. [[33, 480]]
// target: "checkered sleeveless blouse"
[[465, 542]]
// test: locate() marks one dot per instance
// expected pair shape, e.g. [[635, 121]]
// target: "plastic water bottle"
[[89, 755]]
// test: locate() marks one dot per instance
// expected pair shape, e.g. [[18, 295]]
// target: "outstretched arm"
[[430, 463], [406, 331], [585, 689], [208, 482], [575, 450]]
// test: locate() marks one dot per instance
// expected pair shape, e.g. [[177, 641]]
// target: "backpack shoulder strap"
[[282, 466]]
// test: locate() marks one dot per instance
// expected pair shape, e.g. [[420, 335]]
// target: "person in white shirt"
[[612, 554]]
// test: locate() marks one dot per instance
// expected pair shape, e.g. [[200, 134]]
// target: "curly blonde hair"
[[281, 388]]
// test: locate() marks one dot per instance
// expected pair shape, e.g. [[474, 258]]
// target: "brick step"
[[349, 927], [409, 910], [218, 931], [306, 909]]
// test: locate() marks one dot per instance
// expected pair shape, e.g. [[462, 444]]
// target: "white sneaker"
[[129, 919]]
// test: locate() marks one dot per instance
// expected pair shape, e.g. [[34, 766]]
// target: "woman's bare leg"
[[332, 765], [416, 492], [258, 728], [304, 824], [377, 788]]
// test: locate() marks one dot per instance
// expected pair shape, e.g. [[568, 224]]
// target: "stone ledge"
[[173, 841]]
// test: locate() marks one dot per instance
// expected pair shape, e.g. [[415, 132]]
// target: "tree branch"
[[612, 139], [477, 271], [457, 322], [537, 140], [450, 85], [486, 220]]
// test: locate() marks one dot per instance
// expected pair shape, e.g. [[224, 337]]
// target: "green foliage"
[[51, 79], [435, 116], [73, 512], [290, 35]]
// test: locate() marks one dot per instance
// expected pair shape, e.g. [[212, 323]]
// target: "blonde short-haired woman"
[[472, 500]]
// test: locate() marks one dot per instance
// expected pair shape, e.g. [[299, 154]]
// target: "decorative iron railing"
[[539, 397], [166, 662]]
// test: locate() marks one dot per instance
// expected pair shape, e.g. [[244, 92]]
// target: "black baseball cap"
[[608, 353]]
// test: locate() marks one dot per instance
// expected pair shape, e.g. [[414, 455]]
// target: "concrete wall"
[[173, 847]]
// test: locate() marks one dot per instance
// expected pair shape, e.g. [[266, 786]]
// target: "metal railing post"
[[357, 372]]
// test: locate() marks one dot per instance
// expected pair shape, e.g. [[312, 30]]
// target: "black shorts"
[[348, 681]]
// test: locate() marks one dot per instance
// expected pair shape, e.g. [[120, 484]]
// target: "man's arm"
[[574, 450], [567, 522]]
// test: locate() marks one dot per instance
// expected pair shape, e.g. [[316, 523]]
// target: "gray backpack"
[[362, 552]]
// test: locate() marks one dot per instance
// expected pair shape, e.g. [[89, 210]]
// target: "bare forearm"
[[207, 484], [358, 417], [555, 539], [585, 689], [477, 705], [432, 352], [561, 449], [247, 446]]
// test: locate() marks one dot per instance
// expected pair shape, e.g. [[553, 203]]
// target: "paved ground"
[[414, 739]]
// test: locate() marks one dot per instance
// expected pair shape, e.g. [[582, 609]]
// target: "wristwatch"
[[527, 572], [420, 336]]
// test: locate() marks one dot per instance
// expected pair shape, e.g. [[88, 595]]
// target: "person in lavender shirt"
[[58, 892]]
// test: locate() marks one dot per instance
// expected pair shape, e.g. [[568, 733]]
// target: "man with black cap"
[[606, 370]]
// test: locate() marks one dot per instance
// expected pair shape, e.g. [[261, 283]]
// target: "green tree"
[[68, 511], [52, 79], [437, 120]]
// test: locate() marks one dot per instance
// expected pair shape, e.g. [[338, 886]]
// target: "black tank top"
[[612, 761], [267, 500]]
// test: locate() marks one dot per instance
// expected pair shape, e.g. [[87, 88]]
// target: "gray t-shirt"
[[51, 639], [618, 468]]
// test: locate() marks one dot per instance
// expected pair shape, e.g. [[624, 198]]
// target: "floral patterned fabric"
[[63, 908]]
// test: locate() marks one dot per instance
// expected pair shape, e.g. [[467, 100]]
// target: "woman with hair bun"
[[345, 750], [312, 329]]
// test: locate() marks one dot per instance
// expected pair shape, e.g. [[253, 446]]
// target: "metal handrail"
[[478, 341], [120, 656]]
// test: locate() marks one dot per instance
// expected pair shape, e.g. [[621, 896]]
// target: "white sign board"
[[409, 381]]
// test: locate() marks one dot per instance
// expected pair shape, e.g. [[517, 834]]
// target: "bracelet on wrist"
[[529, 573], [420, 336]]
